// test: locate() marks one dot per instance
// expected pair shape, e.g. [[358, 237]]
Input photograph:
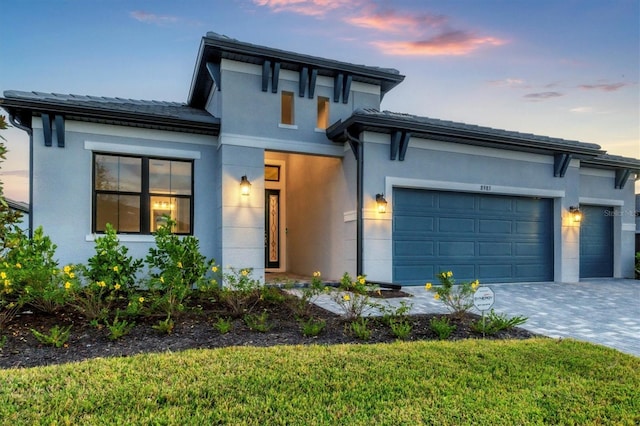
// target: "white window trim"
[[125, 238], [288, 126]]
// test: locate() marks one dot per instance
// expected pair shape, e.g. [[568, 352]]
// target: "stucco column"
[[242, 216], [570, 247]]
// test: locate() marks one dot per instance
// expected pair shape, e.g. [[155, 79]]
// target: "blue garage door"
[[489, 237], [596, 242]]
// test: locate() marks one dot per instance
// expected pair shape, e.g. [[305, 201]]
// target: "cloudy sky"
[[562, 68]]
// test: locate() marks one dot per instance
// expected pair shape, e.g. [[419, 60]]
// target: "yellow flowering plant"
[[177, 268], [30, 276], [240, 291], [353, 296], [111, 263], [95, 296], [458, 298], [308, 295]]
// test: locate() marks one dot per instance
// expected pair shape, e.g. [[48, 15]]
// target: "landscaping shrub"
[[301, 305], [223, 325], [240, 292], [442, 327], [258, 322], [35, 272], [109, 276], [352, 297], [57, 336], [493, 323], [311, 327], [458, 298]]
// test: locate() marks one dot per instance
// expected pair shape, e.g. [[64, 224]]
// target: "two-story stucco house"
[[284, 162]]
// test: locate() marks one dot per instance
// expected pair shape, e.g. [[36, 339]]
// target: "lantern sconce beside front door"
[[245, 186]]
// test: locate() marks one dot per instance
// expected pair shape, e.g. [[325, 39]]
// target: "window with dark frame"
[[322, 121], [136, 193], [271, 173], [287, 113]]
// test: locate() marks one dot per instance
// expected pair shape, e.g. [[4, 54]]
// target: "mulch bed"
[[195, 329]]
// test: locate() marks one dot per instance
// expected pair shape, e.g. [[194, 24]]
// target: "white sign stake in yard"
[[483, 299]]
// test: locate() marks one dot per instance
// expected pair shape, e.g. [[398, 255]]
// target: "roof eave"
[[113, 116], [613, 163], [359, 122]]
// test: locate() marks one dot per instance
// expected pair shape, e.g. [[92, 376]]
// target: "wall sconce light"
[[382, 203], [245, 186], [576, 214]]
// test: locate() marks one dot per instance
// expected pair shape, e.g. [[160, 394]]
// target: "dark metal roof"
[[608, 161], [430, 128], [130, 112], [214, 47]]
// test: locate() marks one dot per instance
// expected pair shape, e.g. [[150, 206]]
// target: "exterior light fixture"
[[245, 186], [576, 214], [382, 203]]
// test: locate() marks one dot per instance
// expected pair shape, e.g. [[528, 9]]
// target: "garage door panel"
[[450, 224], [495, 226], [452, 201], [488, 237], [413, 224], [494, 249], [495, 204], [534, 249], [530, 272], [530, 228], [407, 274], [414, 248], [461, 272], [456, 248], [496, 272], [415, 200]]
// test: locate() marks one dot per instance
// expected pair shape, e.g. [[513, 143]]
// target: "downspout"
[[357, 148], [29, 130]]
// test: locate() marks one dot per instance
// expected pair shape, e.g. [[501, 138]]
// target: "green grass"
[[538, 381]]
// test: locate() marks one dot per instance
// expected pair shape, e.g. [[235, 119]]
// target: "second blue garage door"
[[492, 238]]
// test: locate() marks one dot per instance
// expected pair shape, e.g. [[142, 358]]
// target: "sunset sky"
[[561, 68]]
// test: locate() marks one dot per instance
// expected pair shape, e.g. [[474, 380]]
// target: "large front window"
[[135, 194]]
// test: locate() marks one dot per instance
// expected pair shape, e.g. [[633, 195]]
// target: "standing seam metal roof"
[[113, 109]]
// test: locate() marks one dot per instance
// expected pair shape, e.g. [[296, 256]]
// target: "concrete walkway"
[[603, 311]]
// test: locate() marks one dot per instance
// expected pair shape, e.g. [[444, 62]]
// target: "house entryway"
[[303, 215]]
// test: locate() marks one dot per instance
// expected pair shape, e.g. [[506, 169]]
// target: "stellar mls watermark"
[[620, 213]]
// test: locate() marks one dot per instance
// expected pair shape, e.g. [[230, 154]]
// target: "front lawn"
[[536, 381]]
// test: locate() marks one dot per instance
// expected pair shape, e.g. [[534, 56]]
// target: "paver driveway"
[[602, 311]]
